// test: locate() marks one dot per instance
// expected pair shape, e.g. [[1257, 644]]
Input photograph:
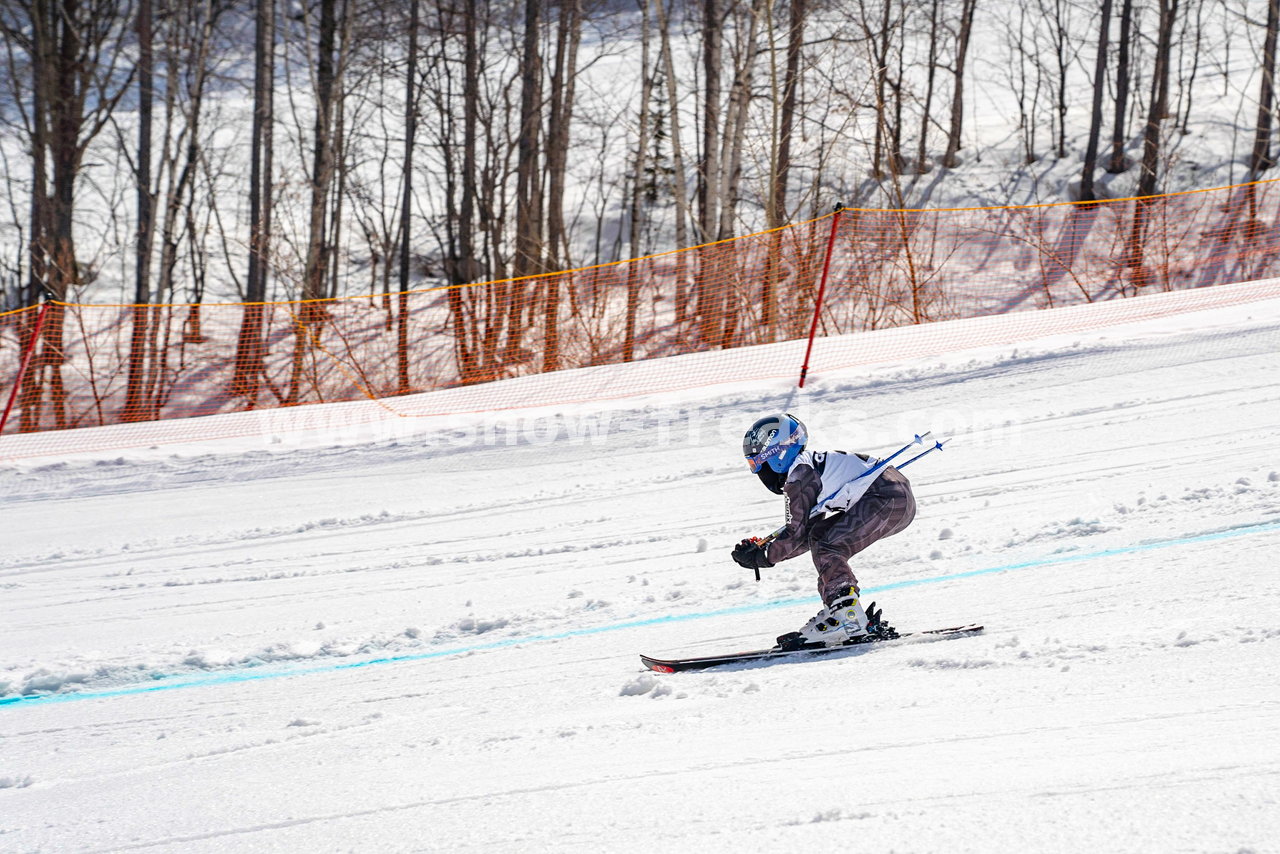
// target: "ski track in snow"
[[382, 646]]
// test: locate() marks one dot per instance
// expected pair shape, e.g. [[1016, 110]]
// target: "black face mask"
[[771, 479]]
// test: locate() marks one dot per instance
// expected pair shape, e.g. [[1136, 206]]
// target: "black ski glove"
[[752, 554]]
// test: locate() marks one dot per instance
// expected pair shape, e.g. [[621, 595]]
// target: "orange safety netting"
[[99, 364]]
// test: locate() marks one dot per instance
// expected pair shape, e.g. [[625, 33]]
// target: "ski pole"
[[937, 446], [918, 440]]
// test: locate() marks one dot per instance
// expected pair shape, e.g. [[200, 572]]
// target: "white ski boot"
[[842, 622]]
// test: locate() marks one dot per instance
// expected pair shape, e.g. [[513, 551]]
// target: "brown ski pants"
[[887, 508]]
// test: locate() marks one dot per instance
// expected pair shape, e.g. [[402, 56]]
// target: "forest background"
[[198, 151]]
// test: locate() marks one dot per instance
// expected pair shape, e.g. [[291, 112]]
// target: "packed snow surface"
[[429, 640]]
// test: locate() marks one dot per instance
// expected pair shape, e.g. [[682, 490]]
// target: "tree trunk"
[[135, 406], [38, 266], [637, 196], [1188, 88], [463, 268], [897, 84], [740, 95], [777, 209], [529, 235], [322, 163], [192, 31], [710, 299], [563, 80], [878, 38], [1261, 158], [1095, 123], [735, 125], [406, 205], [926, 113], [331, 57], [950, 160], [250, 348], [790, 98], [1061, 41], [709, 173], [1118, 162], [1158, 108], [678, 186]]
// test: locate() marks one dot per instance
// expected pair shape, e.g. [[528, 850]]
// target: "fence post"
[[26, 360], [822, 289]]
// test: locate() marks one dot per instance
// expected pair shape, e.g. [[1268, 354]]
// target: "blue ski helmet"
[[776, 441]]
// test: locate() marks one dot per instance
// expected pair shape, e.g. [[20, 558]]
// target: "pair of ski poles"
[[927, 441]]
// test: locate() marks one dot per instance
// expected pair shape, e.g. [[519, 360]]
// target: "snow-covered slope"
[[428, 641]]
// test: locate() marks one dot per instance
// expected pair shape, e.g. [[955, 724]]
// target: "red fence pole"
[[26, 360], [822, 289]]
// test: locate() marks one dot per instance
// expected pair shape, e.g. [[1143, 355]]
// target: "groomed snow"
[[427, 638]]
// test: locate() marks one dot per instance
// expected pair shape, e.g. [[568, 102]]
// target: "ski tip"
[[656, 665]]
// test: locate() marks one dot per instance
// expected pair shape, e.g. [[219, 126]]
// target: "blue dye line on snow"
[[200, 680]]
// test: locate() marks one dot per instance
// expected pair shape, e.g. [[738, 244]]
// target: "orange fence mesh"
[[97, 364]]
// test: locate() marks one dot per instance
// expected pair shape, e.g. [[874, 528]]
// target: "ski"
[[676, 665]]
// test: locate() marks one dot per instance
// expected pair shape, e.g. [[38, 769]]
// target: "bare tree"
[[746, 49], [559, 122], [333, 37], [330, 61], [406, 208], [72, 51], [190, 30], [1261, 158], [878, 34], [1095, 122], [679, 189], [1059, 17], [181, 40], [529, 175], [1186, 87], [1158, 109], [638, 160], [1027, 85], [134, 407], [461, 263], [251, 348], [1118, 162], [780, 172], [950, 159], [931, 72], [1151, 149], [721, 161], [709, 170]]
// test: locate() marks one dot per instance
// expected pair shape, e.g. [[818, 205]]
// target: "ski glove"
[[752, 554]]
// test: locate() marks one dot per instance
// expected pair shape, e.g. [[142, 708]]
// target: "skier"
[[831, 513]]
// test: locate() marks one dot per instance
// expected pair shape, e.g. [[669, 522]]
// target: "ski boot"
[[841, 623]]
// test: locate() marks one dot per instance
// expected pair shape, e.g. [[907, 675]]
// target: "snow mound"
[[49, 681], [645, 683]]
